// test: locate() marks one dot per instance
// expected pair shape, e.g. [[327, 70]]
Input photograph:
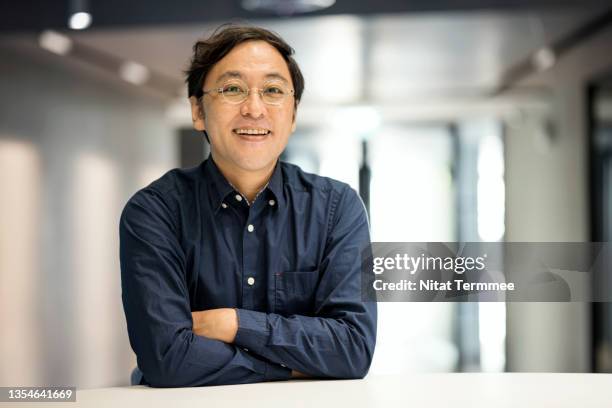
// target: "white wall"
[[75, 144], [547, 200]]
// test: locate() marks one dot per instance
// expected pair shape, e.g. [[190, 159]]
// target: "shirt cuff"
[[276, 372], [253, 330]]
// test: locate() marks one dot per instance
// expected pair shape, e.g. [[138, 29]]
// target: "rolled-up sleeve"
[[339, 340], [157, 309]]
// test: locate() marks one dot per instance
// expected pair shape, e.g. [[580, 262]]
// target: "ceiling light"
[[544, 59], [287, 6], [55, 42], [80, 17], [134, 72], [80, 20]]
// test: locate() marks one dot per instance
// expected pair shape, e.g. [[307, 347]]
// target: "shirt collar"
[[220, 188], [275, 185]]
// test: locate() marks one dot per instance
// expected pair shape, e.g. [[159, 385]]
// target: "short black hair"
[[207, 52]]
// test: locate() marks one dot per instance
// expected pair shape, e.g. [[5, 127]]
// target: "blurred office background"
[[474, 120]]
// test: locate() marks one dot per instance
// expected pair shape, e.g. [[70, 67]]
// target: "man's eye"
[[273, 90], [232, 89]]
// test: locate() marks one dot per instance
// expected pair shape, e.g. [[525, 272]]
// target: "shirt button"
[[284, 366], [271, 202], [223, 205], [251, 281], [251, 228], [238, 197], [245, 349]]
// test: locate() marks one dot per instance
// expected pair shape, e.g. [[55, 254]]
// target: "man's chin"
[[256, 164]]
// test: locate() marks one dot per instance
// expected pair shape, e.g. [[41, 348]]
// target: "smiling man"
[[245, 268]]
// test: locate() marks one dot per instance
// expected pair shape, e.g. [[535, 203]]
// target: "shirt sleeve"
[[338, 341], [157, 308]]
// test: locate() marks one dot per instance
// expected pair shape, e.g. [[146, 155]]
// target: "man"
[[245, 268]]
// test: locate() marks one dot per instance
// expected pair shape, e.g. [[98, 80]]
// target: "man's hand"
[[297, 374], [218, 324]]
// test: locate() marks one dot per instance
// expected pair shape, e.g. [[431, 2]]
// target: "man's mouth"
[[252, 131]]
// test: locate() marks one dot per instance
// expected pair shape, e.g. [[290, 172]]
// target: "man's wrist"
[[233, 323]]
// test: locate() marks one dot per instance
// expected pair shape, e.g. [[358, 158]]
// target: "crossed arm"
[[222, 324], [176, 347]]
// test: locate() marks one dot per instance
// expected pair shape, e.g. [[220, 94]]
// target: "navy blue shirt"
[[289, 263]]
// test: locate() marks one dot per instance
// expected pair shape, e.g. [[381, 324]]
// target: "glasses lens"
[[274, 94], [235, 93]]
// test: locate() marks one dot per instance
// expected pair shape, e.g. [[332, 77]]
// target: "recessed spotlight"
[[134, 72], [80, 20], [544, 59], [55, 42], [287, 6]]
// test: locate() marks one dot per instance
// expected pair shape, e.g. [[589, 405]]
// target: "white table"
[[414, 390]]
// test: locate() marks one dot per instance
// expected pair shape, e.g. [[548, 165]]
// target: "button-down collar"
[[220, 188], [275, 185]]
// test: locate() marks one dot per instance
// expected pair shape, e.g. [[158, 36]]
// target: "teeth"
[[252, 131]]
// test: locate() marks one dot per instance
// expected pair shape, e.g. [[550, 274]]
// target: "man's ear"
[[197, 114], [293, 125]]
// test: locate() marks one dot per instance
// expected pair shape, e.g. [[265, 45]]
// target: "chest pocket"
[[295, 292]]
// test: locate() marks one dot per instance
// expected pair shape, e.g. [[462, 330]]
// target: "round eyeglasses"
[[271, 94]]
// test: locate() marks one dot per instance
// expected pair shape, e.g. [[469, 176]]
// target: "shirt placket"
[[251, 279]]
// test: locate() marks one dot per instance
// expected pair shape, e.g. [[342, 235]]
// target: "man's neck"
[[248, 183]]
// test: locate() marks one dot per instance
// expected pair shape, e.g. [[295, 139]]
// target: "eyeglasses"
[[236, 93]]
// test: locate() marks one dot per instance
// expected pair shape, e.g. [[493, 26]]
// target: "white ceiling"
[[404, 60], [400, 55]]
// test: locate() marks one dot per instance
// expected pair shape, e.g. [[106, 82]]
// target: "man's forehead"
[[244, 76], [251, 59]]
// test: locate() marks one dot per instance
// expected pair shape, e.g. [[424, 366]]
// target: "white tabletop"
[[414, 390]]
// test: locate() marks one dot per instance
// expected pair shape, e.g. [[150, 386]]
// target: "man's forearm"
[[222, 324], [315, 345], [218, 324]]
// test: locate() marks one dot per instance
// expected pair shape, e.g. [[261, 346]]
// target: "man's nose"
[[253, 105]]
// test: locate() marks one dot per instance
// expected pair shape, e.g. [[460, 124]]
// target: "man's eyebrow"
[[278, 76], [229, 74]]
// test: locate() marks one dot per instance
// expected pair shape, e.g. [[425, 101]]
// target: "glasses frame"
[[290, 92]]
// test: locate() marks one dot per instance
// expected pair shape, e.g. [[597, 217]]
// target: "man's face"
[[255, 64]]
